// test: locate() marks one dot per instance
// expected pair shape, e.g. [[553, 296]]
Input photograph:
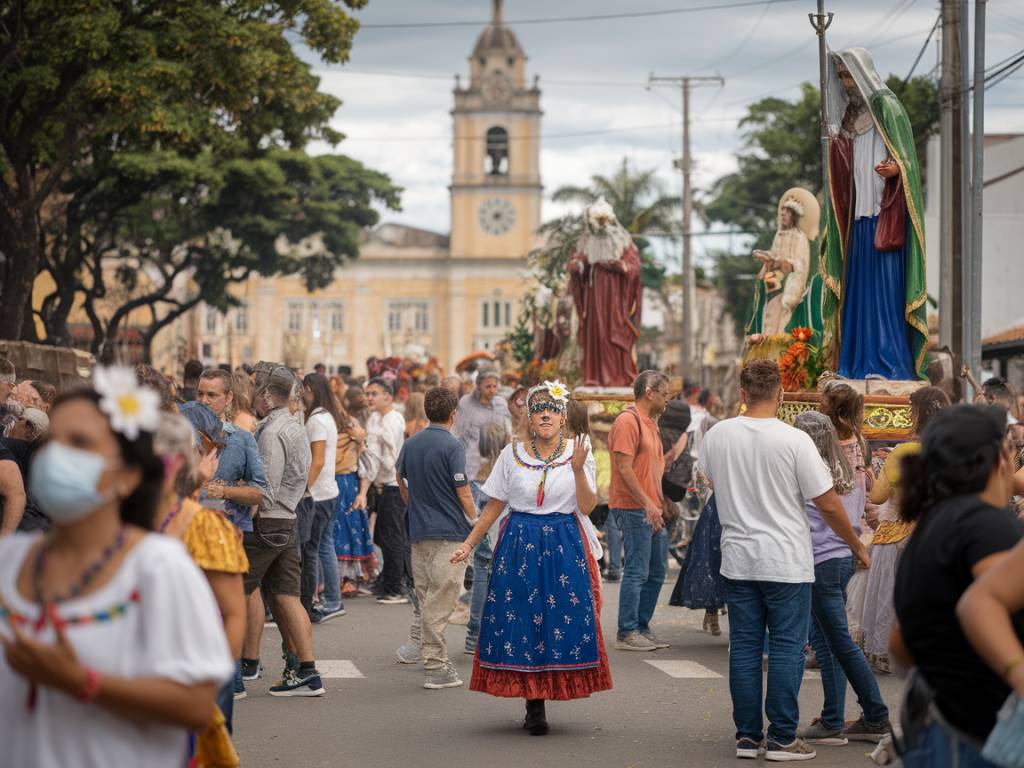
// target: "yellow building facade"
[[411, 290]]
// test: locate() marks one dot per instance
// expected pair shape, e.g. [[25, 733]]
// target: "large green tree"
[[782, 149], [85, 83]]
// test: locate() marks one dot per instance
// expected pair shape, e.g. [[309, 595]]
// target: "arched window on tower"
[[497, 151]]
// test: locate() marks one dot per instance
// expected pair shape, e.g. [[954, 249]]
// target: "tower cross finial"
[[497, 14]]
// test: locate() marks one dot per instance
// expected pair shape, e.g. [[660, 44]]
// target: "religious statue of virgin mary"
[[872, 259]]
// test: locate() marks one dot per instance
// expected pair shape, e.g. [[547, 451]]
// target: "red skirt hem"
[[560, 685]]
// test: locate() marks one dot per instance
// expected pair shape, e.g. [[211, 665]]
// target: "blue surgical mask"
[[63, 482]]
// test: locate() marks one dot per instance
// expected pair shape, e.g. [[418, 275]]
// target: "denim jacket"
[[240, 462]]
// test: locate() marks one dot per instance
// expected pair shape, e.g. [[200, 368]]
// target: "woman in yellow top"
[[892, 532], [215, 546]]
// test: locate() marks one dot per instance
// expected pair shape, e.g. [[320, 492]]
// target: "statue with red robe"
[[604, 279]]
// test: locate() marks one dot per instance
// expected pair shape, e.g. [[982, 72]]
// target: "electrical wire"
[[924, 48], [570, 19], [891, 18]]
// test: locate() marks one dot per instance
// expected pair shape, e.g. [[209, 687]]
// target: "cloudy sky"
[[396, 90]]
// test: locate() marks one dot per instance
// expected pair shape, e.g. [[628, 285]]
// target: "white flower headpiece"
[[130, 407], [556, 390]]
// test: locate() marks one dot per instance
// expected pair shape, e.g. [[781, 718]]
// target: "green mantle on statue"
[[807, 314], [893, 124]]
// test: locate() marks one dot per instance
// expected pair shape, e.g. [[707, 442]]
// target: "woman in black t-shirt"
[[957, 490]]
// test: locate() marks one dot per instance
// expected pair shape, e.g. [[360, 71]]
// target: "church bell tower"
[[496, 189]]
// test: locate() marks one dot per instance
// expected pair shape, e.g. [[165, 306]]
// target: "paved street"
[[667, 708]]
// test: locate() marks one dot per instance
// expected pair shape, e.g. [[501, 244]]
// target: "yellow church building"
[[413, 290]]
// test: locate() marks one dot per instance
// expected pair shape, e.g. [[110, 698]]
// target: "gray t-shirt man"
[[480, 407]]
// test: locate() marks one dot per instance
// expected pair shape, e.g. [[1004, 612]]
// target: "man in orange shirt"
[[636, 502]]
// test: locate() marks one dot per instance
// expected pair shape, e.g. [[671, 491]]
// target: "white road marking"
[[683, 668], [812, 674], [335, 668]]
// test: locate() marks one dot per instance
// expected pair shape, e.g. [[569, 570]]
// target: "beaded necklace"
[[83, 581], [549, 463], [170, 516]]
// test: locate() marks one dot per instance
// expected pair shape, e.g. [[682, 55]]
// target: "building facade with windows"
[[412, 290]]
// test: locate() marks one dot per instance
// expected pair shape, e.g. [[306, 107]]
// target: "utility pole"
[[951, 303], [690, 366], [821, 21], [972, 276]]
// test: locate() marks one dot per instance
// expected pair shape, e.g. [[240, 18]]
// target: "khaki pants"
[[438, 584]]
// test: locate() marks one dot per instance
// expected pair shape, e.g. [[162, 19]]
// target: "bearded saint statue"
[[784, 298], [604, 280], [872, 260]]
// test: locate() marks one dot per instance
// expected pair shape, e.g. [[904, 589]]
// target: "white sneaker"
[[442, 677], [409, 653], [788, 753]]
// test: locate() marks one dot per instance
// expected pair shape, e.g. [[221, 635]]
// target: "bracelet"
[[91, 690], [1015, 662]]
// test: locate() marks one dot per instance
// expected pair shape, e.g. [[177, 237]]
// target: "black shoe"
[[536, 720]]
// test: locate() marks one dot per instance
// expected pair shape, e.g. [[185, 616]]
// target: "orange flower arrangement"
[[799, 365]]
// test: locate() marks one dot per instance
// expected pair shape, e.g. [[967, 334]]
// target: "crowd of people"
[[160, 527]]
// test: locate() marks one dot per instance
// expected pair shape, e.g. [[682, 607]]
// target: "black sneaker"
[[251, 669], [296, 685], [393, 600]]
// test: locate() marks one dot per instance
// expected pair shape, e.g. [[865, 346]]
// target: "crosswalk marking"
[[683, 668], [337, 668]]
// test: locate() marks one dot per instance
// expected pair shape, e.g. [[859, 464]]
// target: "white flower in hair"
[[558, 391], [131, 407]]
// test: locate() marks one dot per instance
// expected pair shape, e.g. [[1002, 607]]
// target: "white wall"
[[1002, 291]]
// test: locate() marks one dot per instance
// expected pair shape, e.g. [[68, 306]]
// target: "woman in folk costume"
[[540, 634], [785, 296]]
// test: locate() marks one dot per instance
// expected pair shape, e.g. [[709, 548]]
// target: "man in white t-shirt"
[[316, 514], [763, 471], [385, 435]]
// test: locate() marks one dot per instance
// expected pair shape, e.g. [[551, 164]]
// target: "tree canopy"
[[153, 130]]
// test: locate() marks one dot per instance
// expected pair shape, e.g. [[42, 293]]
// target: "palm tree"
[[637, 198]]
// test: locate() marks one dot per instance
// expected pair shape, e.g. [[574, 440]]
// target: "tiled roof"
[[1009, 336]]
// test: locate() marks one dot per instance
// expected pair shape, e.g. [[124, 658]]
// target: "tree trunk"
[[21, 247]]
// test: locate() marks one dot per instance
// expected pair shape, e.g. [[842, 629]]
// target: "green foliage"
[[134, 102], [521, 341]]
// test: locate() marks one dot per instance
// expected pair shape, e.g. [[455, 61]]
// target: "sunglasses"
[[545, 406]]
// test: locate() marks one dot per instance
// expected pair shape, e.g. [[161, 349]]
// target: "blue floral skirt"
[[353, 542], [540, 633], [700, 583]]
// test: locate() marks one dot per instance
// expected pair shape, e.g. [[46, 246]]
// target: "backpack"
[[672, 425]]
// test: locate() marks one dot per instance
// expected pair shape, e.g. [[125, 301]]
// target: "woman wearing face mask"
[[113, 646], [956, 490], [540, 635]]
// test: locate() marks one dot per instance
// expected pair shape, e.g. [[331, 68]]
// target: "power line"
[[569, 19], [924, 48]]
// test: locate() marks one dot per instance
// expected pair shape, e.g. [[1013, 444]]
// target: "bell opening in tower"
[[497, 151]]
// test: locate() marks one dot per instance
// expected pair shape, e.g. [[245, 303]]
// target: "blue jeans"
[[644, 574], [613, 545], [785, 609], [838, 656], [938, 746], [481, 566], [315, 514], [328, 571]]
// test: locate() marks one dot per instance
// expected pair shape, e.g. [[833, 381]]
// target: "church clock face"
[[496, 216]]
